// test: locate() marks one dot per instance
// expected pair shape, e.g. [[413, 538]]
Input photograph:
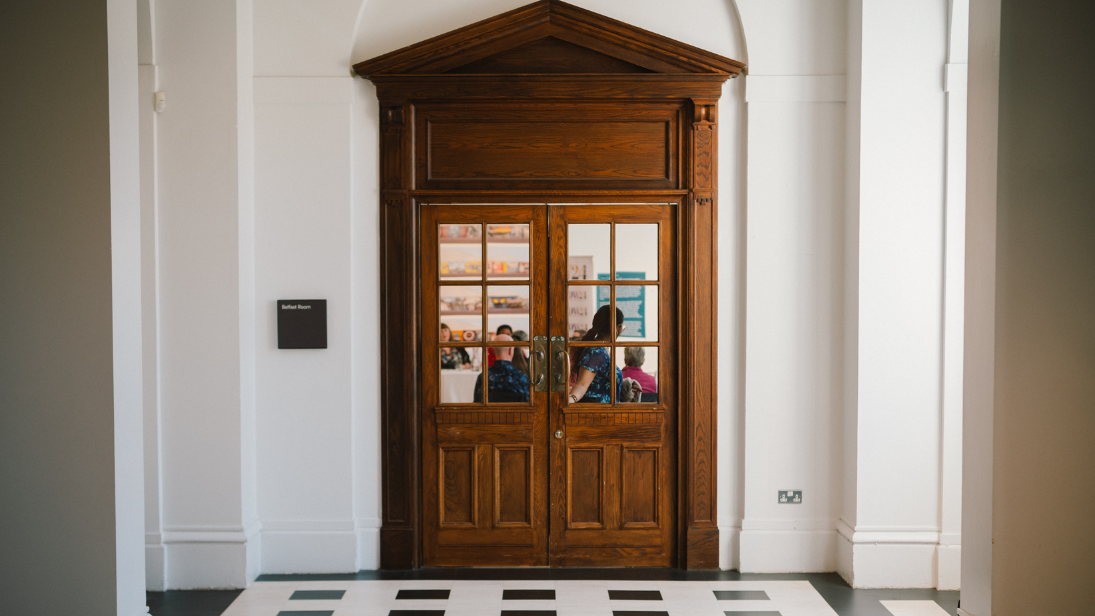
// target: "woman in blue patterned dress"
[[590, 367]]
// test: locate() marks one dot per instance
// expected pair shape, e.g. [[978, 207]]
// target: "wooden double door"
[[524, 461]]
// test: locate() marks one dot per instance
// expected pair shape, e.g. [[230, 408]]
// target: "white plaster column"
[[795, 98], [894, 331], [949, 550], [205, 271]]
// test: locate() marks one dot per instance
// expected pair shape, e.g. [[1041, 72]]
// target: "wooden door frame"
[[667, 73]]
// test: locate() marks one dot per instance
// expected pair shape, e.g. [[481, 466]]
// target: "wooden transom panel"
[[538, 146]]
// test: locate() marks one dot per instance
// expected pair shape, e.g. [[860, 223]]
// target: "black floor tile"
[[307, 613], [422, 594], [528, 612], [190, 602], [741, 595], [535, 594], [637, 613], [416, 613], [333, 577], [635, 595], [313, 595]]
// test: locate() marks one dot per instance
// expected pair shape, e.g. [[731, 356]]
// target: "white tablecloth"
[[458, 385]]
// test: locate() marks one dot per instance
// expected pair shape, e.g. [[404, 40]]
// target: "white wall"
[[203, 155], [831, 278], [795, 96], [70, 414], [890, 525]]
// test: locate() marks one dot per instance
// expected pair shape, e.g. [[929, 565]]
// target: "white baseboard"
[[877, 557], [729, 547], [154, 567], [309, 547], [783, 551], [205, 565], [210, 557], [948, 559], [368, 544]]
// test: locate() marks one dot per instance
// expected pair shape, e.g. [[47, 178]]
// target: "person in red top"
[[633, 369], [502, 329]]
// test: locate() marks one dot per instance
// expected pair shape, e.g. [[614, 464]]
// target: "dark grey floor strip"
[[416, 613], [754, 613], [635, 595], [423, 594], [306, 613], [637, 613], [313, 595], [532, 594], [741, 595], [528, 612]]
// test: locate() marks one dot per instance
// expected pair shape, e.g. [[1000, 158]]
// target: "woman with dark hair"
[[590, 367]]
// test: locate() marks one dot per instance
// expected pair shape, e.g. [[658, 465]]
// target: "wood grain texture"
[[548, 103]]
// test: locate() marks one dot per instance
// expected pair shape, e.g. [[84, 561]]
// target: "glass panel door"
[[484, 313], [613, 416]]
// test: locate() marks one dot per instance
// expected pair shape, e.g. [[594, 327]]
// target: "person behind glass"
[[452, 358], [505, 330], [505, 383], [590, 366], [634, 357], [520, 360]]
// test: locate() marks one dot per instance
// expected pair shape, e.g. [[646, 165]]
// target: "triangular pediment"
[[548, 55], [549, 37]]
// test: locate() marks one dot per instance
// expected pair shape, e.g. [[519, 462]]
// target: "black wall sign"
[[302, 324]]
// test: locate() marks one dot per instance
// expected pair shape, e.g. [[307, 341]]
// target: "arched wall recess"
[[534, 65]]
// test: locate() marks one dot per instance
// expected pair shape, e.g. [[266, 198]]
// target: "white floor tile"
[[914, 608]]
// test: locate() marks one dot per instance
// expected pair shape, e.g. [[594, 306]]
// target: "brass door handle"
[[560, 374], [539, 363]]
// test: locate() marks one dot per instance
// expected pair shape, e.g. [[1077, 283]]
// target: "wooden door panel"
[[459, 486], [585, 487], [513, 486], [638, 487]]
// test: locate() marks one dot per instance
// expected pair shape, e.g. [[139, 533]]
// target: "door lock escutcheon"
[[559, 377], [540, 363], [558, 434]]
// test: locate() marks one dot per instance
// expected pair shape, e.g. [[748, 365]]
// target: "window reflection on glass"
[[460, 368], [589, 250], [639, 364], [461, 313], [508, 251], [460, 252], [508, 377], [582, 304], [639, 305], [637, 251]]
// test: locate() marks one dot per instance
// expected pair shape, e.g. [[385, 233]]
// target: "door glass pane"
[[461, 313], [508, 254], [459, 373], [508, 308], [637, 252], [508, 376], [460, 252], [640, 364], [589, 249], [639, 303], [583, 301], [592, 376]]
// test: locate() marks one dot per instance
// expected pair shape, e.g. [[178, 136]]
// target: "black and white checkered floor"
[[572, 597]]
